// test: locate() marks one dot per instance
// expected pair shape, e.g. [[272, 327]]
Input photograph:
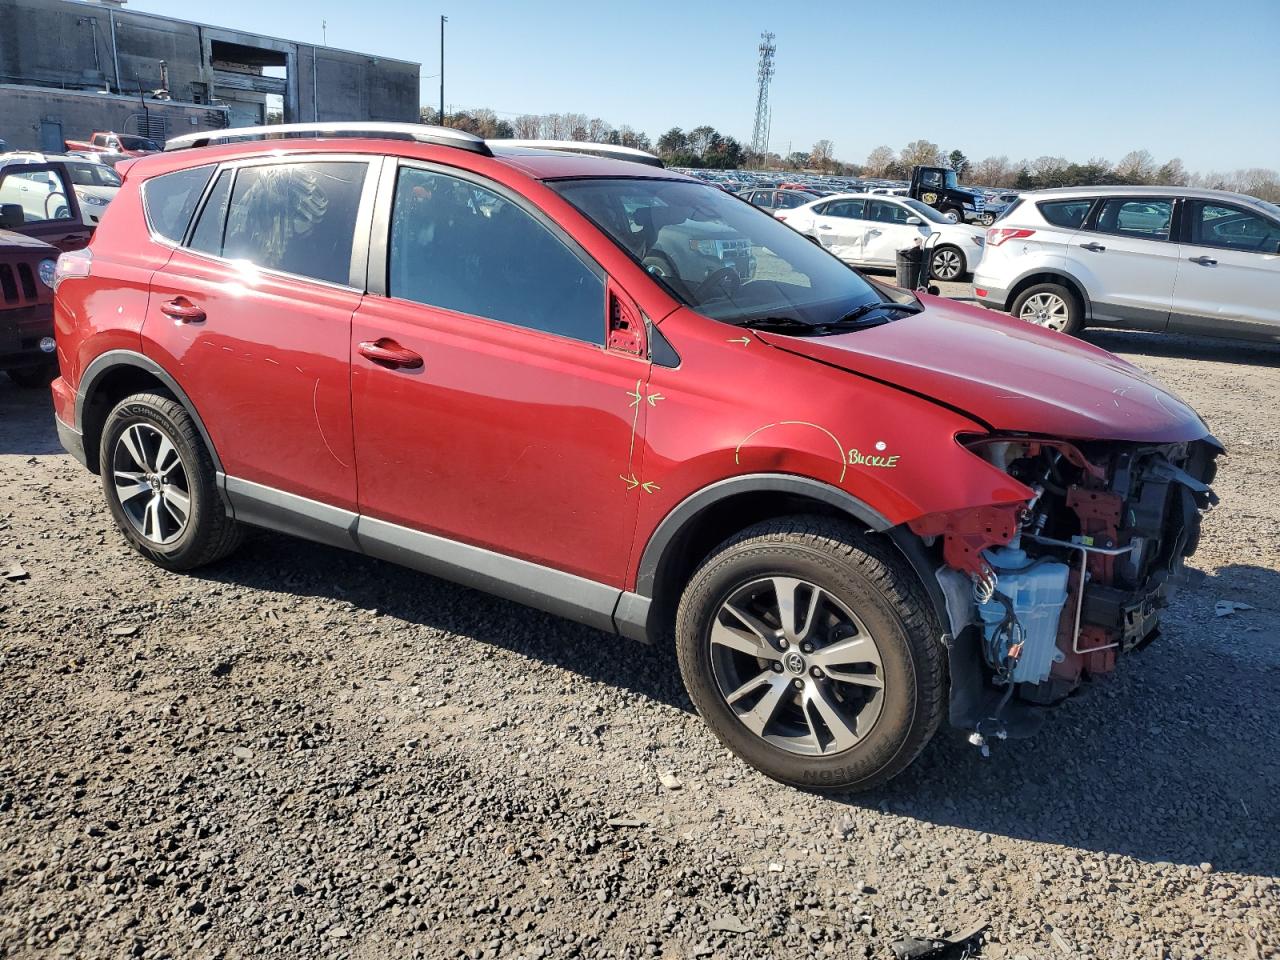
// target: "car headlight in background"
[[46, 272], [95, 201]]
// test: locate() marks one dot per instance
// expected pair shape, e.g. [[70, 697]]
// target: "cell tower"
[[764, 74]]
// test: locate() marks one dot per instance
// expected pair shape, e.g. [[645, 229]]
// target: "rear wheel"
[[947, 263], [1050, 305], [33, 378], [811, 652], [160, 484], [954, 212]]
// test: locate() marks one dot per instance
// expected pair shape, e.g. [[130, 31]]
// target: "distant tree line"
[[706, 147], [1135, 167]]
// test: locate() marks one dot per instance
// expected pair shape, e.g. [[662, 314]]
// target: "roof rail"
[[421, 132], [611, 150]]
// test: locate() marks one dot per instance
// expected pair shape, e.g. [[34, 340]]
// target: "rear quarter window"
[[170, 200], [1068, 214]]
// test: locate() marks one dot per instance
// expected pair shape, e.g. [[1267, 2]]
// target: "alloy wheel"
[[151, 483], [947, 265], [1046, 310], [796, 666]]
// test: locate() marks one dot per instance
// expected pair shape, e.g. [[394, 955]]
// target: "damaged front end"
[[1045, 593]]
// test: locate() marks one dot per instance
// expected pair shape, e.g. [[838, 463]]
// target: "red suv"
[[855, 508]]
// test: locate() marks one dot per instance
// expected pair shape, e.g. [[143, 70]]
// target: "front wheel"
[[947, 263], [1049, 305], [811, 652], [160, 484]]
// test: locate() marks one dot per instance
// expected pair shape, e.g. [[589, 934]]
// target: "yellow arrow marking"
[[653, 399], [742, 340], [630, 481], [650, 487]]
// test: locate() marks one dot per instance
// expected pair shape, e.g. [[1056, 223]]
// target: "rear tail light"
[[780, 216], [998, 235], [73, 264]]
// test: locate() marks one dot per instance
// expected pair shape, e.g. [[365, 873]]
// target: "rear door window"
[[1142, 219], [170, 200], [1068, 214], [850, 209], [296, 218]]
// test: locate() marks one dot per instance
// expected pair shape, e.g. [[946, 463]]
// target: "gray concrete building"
[[70, 67]]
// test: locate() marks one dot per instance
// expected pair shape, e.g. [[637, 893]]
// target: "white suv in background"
[[1165, 259], [868, 231]]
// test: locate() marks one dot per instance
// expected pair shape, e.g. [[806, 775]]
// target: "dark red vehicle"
[[39, 217], [854, 508]]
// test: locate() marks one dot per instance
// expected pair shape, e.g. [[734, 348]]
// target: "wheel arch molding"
[[93, 397], [711, 514]]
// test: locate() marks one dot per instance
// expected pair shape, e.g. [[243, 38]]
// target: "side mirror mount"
[[915, 221]]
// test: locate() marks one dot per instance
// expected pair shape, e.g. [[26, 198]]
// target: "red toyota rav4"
[[621, 395]]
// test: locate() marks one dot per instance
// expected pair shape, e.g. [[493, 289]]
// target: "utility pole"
[[443, 21]]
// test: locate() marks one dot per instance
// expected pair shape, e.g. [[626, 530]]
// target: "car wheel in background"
[[1049, 305], [811, 652], [160, 485], [987, 219], [33, 378], [660, 266], [955, 213], [947, 263]]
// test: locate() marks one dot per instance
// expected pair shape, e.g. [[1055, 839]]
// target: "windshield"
[[138, 143], [721, 256], [93, 175], [926, 211]]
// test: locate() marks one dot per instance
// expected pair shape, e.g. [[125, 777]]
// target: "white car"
[[868, 231], [1164, 259], [95, 184]]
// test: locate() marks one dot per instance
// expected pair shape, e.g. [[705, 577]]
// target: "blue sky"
[[1075, 78]]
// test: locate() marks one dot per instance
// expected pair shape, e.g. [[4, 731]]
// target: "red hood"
[[1009, 374]]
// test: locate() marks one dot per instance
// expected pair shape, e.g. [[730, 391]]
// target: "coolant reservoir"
[[1038, 590]]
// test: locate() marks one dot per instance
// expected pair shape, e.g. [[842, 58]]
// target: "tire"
[[34, 378], [660, 265], [954, 212], [987, 219], [890, 692], [145, 487], [1050, 305], [947, 263]]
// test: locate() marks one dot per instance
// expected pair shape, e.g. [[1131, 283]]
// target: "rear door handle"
[[1093, 247], [387, 352], [182, 310], [1204, 261]]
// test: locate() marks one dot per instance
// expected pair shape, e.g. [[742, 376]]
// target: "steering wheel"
[[726, 278], [59, 213]]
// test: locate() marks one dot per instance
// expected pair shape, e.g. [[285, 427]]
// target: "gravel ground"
[[302, 752]]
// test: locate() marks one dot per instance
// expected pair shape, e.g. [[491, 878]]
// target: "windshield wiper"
[[857, 313], [782, 324]]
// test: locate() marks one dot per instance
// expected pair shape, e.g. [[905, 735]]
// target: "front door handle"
[[823, 226], [873, 233], [1092, 247], [387, 352], [1204, 261], [182, 310]]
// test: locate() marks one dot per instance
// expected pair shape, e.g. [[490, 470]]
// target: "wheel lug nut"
[[777, 668], [799, 684], [807, 647], [816, 673], [783, 643]]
